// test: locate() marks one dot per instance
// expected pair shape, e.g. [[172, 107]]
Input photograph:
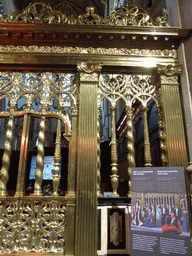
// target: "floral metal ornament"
[[129, 15], [90, 18], [37, 12], [126, 15]]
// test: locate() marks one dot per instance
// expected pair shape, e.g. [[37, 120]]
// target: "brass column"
[[57, 158], [4, 174], [39, 160], [130, 145], [114, 157], [71, 195], [171, 104], [86, 205], [99, 194], [23, 157], [146, 139]]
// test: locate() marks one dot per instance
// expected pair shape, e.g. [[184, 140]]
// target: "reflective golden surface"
[[130, 49], [126, 15], [32, 225]]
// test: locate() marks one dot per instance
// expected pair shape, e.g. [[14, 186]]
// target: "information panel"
[[159, 213]]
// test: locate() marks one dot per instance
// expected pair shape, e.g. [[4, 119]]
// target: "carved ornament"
[[161, 21], [90, 18], [89, 77], [169, 70], [126, 15], [37, 12], [86, 51], [89, 67], [169, 79], [128, 88]]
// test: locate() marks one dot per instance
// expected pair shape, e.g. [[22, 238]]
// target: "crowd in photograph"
[[171, 219]]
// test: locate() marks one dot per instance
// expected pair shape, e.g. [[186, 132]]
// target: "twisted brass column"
[[6, 156], [57, 158], [39, 160], [146, 139], [98, 154], [114, 158], [130, 145], [162, 135]]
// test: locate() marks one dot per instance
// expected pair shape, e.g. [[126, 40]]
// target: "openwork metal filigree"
[[130, 15], [126, 15], [129, 88], [32, 226], [37, 12], [44, 95], [90, 18], [46, 88]]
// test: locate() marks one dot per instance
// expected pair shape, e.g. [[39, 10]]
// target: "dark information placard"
[[159, 213]]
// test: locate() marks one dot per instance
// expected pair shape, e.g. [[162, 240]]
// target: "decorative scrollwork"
[[89, 67], [90, 18], [169, 73], [126, 15], [87, 51], [169, 70], [49, 89], [37, 12], [161, 21], [32, 225], [127, 87], [113, 87], [130, 15]]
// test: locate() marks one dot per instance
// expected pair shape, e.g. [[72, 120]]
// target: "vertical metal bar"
[[6, 156], [39, 160], [99, 194], [57, 158], [114, 158], [71, 195], [130, 145], [23, 157], [146, 139]]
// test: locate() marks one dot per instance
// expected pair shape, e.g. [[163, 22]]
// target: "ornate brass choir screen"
[[133, 58]]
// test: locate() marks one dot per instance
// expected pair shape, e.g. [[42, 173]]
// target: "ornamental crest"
[[126, 15]]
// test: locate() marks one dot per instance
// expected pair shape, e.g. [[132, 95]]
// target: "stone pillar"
[[86, 202]]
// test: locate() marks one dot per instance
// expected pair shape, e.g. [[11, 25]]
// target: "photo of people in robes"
[[160, 215]]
